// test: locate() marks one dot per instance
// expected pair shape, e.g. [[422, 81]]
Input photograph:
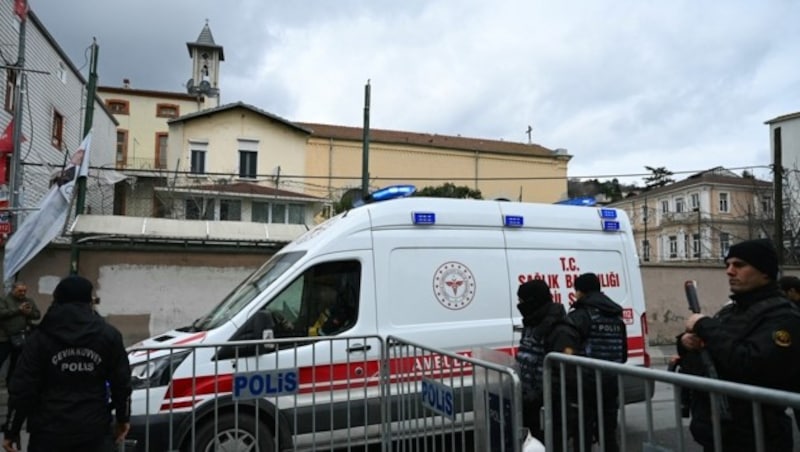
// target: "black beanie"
[[587, 283], [760, 253], [535, 292], [73, 289]]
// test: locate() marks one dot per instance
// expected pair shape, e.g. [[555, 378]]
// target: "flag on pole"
[[46, 223], [21, 9], [7, 139]]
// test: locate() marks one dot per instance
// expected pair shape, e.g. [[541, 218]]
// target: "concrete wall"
[[667, 309], [145, 292], [148, 291]]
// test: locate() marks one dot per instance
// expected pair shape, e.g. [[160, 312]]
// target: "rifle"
[[694, 306]]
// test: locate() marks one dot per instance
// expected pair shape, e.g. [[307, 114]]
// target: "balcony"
[[143, 164], [673, 218]]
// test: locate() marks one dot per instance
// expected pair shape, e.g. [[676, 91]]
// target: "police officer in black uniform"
[[603, 336], [755, 339], [60, 381], [545, 330]]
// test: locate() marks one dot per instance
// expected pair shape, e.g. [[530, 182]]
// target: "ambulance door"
[[558, 257], [444, 288], [328, 297]]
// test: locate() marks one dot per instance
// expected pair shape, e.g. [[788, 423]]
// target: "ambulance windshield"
[[247, 291]]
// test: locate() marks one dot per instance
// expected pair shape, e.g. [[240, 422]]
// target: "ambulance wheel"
[[230, 434]]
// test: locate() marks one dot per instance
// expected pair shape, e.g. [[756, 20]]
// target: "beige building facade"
[[188, 157], [142, 116], [499, 169], [699, 218], [230, 163]]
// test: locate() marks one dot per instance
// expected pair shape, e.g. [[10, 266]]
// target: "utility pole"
[[365, 146], [80, 182], [778, 183], [646, 250], [15, 178]]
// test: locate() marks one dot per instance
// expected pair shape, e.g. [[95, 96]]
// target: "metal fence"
[[572, 371], [322, 393], [436, 397]]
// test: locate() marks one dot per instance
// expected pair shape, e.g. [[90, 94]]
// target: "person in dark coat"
[[17, 313], [604, 336], [60, 382], [545, 330], [754, 339]]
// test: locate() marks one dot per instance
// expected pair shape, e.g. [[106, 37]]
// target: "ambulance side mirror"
[[257, 327]]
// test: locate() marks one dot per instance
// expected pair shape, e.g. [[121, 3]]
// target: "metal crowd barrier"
[[324, 393], [435, 398], [262, 395], [561, 366]]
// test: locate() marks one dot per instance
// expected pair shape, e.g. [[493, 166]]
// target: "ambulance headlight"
[[157, 371]]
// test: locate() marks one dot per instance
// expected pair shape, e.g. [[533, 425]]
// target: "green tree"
[[347, 200], [612, 189], [450, 190], [659, 177]]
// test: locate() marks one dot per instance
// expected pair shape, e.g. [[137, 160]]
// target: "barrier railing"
[[298, 393], [436, 397], [322, 393], [571, 372]]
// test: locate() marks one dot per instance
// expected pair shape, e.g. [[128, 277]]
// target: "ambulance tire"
[[228, 437]]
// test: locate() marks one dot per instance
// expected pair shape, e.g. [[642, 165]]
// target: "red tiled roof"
[[427, 140], [148, 93]]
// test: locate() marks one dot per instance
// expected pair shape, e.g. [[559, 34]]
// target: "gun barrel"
[[691, 296]]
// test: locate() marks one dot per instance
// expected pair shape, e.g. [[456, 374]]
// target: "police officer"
[[545, 329], [754, 339], [603, 336], [60, 381]]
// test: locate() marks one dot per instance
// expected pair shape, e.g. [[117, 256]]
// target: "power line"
[[267, 177]]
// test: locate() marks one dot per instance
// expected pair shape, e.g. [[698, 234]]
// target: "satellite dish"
[[190, 85], [205, 87]]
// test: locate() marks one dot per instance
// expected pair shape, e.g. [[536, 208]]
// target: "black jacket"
[[580, 316], [754, 340], [70, 367], [545, 330]]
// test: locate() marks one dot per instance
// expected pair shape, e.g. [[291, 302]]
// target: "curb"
[[660, 354]]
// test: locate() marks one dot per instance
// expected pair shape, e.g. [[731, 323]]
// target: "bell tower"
[[206, 56]]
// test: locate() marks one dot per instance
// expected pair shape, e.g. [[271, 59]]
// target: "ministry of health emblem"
[[454, 285]]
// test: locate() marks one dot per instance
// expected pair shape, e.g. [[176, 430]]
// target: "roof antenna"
[[529, 132]]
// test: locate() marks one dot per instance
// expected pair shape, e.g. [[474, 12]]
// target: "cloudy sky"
[[619, 83]]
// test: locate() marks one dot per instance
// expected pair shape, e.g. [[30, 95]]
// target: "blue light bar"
[[513, 221], [586, 201], [608, 214], [390, 192], [610, 226], [423, 218]]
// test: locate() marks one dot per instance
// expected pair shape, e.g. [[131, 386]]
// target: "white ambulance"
[[435, 271]]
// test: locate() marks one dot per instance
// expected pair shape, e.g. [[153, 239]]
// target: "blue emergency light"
[[610, 225], [513, 221], [586, 201], [608, 214], [423, 218], [390, 192]]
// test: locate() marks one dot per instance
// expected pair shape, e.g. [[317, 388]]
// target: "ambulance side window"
[[322, 301]]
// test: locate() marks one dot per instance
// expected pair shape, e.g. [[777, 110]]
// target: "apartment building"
[[784, 137], [697, 219], [53, 103]]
